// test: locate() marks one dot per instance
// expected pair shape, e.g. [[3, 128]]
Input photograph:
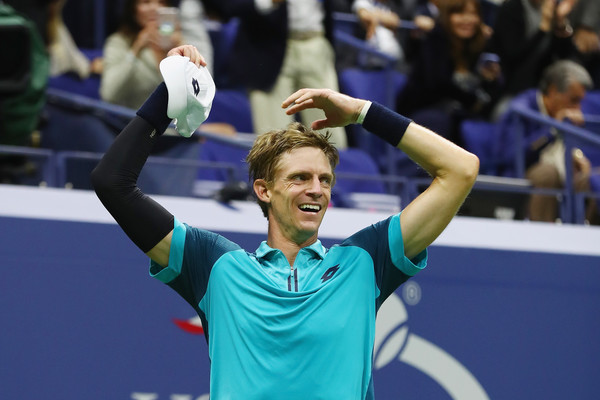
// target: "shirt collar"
[[316, 248]]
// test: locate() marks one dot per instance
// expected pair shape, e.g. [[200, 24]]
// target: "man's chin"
[[306, 233]]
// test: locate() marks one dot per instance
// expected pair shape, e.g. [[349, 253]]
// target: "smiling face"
[[465, 23], [146, 11], [299, 194]]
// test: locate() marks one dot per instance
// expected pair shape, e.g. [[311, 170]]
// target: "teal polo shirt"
[[277, 331]]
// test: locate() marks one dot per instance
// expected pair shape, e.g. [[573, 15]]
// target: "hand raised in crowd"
[[581, 164], [151, 37], [369, 22], [555, 13], [574, 115], [147, 37], [562, 10], [547, 11], [371, 19], [586, 40], [424, 23]]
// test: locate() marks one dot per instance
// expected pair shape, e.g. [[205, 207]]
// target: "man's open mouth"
[[310, 207]]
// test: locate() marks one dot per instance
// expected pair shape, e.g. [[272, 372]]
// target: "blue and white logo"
[[394, 342]]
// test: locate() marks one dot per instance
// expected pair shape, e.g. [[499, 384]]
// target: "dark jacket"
[[523, 60], [259, 48], [431, 83]]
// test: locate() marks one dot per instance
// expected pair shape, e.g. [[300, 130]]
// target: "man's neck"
[[290, 248]]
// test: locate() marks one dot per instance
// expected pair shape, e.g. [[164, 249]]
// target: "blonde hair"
[[263, 158]]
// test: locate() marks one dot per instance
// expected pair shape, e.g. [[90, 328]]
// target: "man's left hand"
[[340, 109]]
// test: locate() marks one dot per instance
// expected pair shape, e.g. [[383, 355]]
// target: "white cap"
[[191, 92]]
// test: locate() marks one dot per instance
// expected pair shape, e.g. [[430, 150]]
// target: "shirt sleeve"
[[192, 255], [383, 241], [408, 266]]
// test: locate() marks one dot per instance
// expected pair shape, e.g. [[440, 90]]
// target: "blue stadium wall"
[[505, 310]]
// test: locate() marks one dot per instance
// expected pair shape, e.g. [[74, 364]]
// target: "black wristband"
[[385, 123], [154, 110]]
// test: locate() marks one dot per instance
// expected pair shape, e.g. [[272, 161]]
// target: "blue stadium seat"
[[591, 102], [233, 107], [224, 173], [360, 185], [479, 137], [70, 82], [222, 36], [590, 106], [380, 86], [230, 157], [75, 130], [346, 22], [358, 162], [172, 168]]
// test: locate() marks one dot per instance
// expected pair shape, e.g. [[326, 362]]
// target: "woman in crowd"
[[132, 54], [452, 77]]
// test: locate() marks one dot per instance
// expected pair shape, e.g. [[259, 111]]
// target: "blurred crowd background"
[[517, 82]]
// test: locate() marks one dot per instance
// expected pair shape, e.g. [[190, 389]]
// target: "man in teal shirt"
[[293, 320]]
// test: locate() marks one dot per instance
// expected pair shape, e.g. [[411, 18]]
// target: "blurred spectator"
[[281, 46], [380, 23], [23, 81], [148, 29], [586, 36], [383, 22], [451, 77], [65, 56], [37, 11], [23, 72], [429, 9], [528, 36], [559, 96], [425, 16], [192, 16]]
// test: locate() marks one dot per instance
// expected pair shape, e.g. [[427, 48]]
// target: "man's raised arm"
[[454, 170], [146, 222]]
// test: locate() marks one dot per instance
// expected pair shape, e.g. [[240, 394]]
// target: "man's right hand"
[[187, 50]]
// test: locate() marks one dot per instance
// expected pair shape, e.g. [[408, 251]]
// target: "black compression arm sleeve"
[[115, 178]]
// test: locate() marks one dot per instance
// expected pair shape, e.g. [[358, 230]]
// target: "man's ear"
[[261, 189]]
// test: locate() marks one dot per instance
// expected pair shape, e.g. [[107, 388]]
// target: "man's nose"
[[315, 188]]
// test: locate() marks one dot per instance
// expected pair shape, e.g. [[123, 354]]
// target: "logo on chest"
[[330, 273]]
